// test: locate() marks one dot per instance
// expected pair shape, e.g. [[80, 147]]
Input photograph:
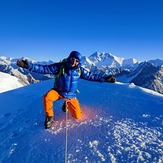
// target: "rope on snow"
[[66, 141]]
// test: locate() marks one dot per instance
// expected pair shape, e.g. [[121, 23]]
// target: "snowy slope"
[[8, 82], [120, 123]]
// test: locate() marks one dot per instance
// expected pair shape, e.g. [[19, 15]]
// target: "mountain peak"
[[110, 60]]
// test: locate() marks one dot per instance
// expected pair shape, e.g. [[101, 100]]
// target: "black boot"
[[48, 122], [64, 107]]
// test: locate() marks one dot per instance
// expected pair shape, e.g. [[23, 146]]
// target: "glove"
[[23, 63], [110, 79]]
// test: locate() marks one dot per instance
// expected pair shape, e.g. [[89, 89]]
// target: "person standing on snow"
[[67, 74]]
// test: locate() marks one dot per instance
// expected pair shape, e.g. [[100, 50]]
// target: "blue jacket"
[[66, 84]]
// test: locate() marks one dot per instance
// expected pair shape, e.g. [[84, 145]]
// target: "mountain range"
[[147, 74]]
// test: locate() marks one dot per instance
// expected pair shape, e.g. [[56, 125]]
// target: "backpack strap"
[[61, 71], [79, 71]]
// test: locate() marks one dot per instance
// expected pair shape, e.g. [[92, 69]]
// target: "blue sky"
[[43, 30]]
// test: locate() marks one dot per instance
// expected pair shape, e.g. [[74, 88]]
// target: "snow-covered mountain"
[[8, 65], [156, 62], [120, 123], [111, 61], [147, 74]]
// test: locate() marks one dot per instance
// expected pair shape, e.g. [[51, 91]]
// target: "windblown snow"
[[120, 123]]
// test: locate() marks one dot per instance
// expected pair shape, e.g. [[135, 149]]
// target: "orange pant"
[[52, 95]]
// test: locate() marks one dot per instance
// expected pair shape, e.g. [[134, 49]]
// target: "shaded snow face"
[[120, 123]]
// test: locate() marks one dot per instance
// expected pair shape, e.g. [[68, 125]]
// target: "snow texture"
[[120, 123], [8, 82]]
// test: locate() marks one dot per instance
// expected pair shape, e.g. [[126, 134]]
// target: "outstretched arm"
[[94, 77], [38, 68]]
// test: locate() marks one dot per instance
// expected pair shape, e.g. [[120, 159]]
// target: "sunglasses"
[[72, 60]]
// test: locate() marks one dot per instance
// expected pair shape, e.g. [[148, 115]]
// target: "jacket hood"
[[75, 54]]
